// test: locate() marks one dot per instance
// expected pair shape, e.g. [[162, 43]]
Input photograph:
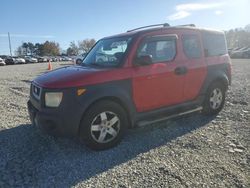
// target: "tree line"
[[51, 48], [239, 37], [47, 48]]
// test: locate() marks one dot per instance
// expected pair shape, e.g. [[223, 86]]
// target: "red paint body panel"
[[156, 85], [77, 76], [194, 79], [197, 71]]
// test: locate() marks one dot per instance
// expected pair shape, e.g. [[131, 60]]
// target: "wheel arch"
[[118, 95], [116, 100], [215, 77]]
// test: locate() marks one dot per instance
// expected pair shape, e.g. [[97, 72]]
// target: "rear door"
[[158, 85], [193, 56]]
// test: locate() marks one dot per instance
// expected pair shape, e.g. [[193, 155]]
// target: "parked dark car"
[[240, 53], [10, 61], [145, 75], [246, 53], [80, 58]]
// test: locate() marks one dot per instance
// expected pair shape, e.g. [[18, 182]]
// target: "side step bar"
[[144, 123]]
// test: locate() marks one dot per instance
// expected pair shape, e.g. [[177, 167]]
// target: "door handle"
[[151, 77], [180, 70]]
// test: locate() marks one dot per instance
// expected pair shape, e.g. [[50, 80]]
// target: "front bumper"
[[61, 121], [48, 123]]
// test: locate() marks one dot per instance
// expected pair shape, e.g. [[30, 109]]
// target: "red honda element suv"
[[142, 76]]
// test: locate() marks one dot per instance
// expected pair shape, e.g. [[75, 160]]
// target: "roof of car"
[[145, 29]]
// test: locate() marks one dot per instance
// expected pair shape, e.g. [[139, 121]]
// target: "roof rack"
[[187, 25], [163, 25], [155, 25]]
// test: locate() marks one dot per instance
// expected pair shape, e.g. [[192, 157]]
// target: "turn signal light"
[[80, 91]]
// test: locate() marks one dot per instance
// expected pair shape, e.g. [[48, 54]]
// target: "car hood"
[[71, 76]]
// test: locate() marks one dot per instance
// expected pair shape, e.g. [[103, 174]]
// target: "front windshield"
[[108, 52]]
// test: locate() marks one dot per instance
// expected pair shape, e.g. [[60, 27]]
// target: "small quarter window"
[[191, 46], [214, 44]]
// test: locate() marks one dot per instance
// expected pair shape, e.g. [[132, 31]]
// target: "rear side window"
[[214, 44], [160, 49], [191, 46]]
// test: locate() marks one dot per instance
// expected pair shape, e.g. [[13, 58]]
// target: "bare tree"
[[73, 48], [50, 48], [19, 51], [238, 37], [86, 45]]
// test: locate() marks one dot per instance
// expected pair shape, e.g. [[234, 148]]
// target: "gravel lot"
[[192, 151]]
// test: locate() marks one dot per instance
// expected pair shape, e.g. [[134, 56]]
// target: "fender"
[[215, 73], [120, 91]]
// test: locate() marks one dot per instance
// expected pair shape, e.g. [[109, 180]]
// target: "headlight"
[[53, 99]]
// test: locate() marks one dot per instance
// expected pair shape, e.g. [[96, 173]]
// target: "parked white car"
[[65, 58], [19, 60], [2, 63], [30, 59]]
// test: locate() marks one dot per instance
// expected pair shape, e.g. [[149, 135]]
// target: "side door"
[[160, 83], [194, 59]]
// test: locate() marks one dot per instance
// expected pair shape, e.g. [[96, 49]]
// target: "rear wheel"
[[103, 125], [215, 99]]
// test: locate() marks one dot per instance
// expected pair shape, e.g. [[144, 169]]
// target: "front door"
[[160, 83]]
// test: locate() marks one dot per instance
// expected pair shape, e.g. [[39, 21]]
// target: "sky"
[[65, 21]]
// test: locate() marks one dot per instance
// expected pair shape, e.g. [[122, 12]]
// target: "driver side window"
[[159, 49]]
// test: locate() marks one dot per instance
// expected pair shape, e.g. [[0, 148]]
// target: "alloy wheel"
[[105, 127], [216, 98]]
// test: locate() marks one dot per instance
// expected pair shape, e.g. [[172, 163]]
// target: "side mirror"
[[143, 60]]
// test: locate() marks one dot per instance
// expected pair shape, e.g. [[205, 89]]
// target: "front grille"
[[36, 91]]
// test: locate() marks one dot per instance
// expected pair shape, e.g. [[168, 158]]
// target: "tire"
[[103, 125], [215, 98], [78, 61]]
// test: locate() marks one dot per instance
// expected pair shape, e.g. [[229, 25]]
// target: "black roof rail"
[[186, 25], [155, 25], [163, 25]]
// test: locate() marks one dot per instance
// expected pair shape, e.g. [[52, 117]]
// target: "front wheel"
[[103, 125], [78, 61], [215, 99]]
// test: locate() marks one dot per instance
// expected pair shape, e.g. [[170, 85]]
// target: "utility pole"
[[9, 44]]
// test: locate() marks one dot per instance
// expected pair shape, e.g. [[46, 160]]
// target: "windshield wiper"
[[96, 64], [84, 64]]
